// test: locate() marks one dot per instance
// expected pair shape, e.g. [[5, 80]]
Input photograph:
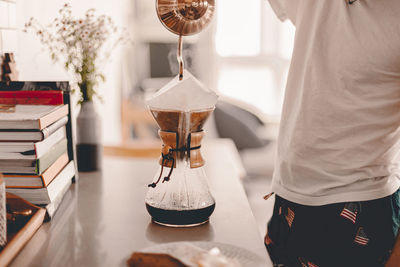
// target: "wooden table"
[[102, 219]]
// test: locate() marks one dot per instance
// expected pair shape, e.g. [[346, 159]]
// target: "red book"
[[31, 97]]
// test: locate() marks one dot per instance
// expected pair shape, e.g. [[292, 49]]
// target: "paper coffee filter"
[[186, 95]]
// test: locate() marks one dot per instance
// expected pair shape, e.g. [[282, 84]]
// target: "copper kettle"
[[185, 17]]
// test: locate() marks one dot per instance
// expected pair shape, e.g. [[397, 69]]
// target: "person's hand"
[[394, 259]]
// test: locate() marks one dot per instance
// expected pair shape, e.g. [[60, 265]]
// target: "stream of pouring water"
[[180, 57]]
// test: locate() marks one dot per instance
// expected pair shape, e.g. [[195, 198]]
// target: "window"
[[254, 50], [238, 34]]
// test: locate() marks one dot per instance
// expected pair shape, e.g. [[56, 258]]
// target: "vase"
[[89, 148]]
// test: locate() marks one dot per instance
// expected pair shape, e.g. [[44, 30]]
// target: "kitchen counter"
[[103, 219]]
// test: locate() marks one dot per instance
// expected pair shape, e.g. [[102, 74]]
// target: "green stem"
[[84, 90]]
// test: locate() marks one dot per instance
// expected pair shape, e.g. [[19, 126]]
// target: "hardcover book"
[[38, 166], [36, 181], [46, 195], [32, 135], [55, 204], [30, 150], [36, 86], [32, 97], [31, 116]]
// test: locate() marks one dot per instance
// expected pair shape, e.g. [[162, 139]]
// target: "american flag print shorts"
[[354, 234]]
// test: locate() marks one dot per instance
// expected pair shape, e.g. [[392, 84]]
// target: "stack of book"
[[34, 153]]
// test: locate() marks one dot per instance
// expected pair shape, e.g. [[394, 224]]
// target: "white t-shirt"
[[340, 128]]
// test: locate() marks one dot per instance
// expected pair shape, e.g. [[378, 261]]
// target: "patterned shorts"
[[356, 234]]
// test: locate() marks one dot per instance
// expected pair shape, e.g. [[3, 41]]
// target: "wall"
[[34, 63], [8, 24]]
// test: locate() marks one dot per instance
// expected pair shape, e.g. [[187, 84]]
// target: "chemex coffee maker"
[[179, 195]]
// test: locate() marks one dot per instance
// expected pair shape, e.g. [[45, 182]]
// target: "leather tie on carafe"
[[169, 152]]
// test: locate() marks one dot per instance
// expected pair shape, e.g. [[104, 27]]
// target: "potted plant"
[[82, 45]]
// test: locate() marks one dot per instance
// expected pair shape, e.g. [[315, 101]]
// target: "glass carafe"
[[179, 195]]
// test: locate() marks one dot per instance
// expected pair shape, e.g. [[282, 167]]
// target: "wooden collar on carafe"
[[171, 152], [191, 150]]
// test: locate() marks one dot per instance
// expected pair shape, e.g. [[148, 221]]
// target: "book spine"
[[52, 117], [55, 204], [31, 97], [43, 146], [49, 175], [60, 181], [50, 157], [46, 132], [36, 86]]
